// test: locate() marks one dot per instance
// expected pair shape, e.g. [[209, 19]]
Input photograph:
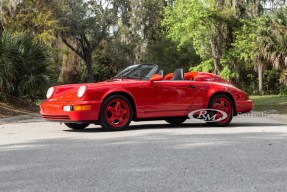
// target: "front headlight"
[[50, 92], [81, 91]]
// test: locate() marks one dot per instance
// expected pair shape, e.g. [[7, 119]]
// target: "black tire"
[[230, 116], [116, 125], [176, 121], [77, 126]]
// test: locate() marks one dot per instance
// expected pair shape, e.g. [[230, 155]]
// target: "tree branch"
[[86, 41], [82, 44], [77, 51], [104, 24]]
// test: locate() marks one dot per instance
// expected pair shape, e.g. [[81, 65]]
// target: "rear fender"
[[221, 90]]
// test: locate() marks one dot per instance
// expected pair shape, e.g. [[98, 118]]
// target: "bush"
[[283, 90], [271, 81], [23, 65]]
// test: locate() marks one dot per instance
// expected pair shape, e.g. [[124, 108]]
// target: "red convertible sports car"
[[141, 92]]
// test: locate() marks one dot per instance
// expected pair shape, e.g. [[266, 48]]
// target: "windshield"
[[140, 71]]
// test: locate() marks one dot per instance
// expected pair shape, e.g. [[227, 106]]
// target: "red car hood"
[[69, 92]]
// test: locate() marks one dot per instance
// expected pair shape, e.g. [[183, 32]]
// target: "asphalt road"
[[250, 155]]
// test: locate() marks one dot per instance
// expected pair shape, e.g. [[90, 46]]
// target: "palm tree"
[[270, 46], [23, 66], [274, 40]]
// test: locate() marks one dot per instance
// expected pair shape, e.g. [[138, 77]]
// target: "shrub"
[[283, 90], [23, 65]]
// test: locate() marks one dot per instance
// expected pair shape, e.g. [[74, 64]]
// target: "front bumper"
[[54, 111], [244, 106]]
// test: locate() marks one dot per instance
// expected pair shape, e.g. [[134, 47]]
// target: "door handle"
[[191, 86]]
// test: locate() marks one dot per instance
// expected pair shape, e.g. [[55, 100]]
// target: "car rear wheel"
[[77, 126], [221, 108], [116, 113], [176, 121]]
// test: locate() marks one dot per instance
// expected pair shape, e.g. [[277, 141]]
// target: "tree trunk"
[[1, 28], [216, 55], [89, 64], [216, 63], [260, 79], [256, 14], [234, 4], [256, 8]]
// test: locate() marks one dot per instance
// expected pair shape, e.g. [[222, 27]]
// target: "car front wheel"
[[116, 113]]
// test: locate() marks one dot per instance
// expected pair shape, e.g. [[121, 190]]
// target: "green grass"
[[38, 102], [270, 102]]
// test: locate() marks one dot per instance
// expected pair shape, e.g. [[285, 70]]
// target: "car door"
[[168, 97]]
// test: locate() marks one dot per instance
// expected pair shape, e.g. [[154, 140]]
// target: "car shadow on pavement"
[[254, 124], [202, 126], [143, 126], [97, 128]]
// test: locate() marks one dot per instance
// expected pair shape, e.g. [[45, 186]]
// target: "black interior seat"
[[178, 74]]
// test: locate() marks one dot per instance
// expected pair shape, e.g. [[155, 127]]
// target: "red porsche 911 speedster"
[[141, 92]]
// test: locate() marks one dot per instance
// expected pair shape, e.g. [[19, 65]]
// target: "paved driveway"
[[250, 155]]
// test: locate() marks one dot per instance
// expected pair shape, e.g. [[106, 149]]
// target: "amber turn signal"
[[82, 107]]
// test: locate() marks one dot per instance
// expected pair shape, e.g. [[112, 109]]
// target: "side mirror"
[[155, 77]]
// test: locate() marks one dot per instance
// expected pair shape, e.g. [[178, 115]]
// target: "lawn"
[[269, 103]]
